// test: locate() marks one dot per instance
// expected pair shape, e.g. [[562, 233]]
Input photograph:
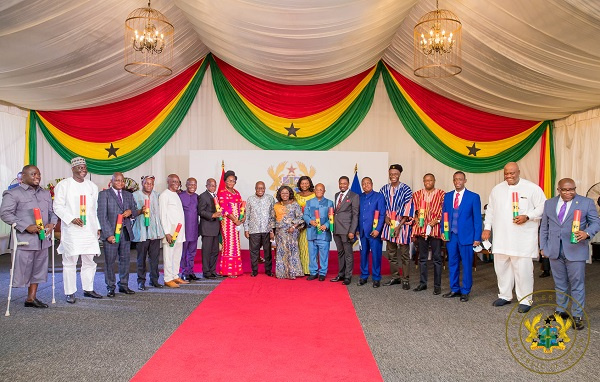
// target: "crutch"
[[13, 233], [53, 286]]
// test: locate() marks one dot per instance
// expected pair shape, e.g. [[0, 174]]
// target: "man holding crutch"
[[29, 206]]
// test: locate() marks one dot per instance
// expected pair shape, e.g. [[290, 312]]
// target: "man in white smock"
[[75, 203], [171, 215], [515, 237]]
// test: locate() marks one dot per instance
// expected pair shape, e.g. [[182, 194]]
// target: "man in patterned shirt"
[[258, 227], [398, 199]]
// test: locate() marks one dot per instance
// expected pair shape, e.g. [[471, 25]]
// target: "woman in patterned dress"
[[288, 218], [306, 191], [230, 201]]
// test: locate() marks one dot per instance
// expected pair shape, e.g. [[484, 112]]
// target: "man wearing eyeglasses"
[[567, 250]]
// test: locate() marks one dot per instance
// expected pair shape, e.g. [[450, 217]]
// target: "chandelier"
[[437, 44], [148, 43]]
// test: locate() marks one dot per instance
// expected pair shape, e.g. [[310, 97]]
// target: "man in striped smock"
[[398, 199]]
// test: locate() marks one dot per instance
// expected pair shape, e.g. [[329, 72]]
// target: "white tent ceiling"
[[535, 59]]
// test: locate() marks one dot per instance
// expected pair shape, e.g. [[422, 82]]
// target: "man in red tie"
[[346, 221]]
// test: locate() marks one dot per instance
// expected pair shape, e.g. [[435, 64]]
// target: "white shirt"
[[340, 197], [171, 214], [460, 196], [509, 238], [559, 205]]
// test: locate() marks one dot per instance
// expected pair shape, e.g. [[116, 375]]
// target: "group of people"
[[301, 224]]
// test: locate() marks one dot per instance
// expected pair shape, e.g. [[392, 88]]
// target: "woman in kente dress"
[[230, 201], [306, 191], [288, 218]]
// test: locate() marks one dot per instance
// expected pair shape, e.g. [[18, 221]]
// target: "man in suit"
[[111, 203], [209, 229], [345, 223], [464, 221], [567, 259], [370, 238], [31, 260]]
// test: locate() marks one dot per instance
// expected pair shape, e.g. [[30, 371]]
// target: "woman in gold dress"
[[306, 191]]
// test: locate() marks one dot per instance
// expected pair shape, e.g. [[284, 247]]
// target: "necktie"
[[339, 203], [120, 197], [561, 213], [456, 200], [454, 227]]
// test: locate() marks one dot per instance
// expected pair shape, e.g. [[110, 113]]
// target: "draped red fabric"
[[460, 120], [119, 120], [289, 101]]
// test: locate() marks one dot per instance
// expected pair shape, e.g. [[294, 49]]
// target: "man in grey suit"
[[567, 259], [209, 229], [31, 261], [111, 203], [346, 209]]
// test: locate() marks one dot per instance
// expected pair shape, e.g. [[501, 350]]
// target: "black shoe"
[[545, 274], [524, 308], [578, 322], [141, 286], [362, 281], [312, 277], [322, 278], [71, 299], [91, 293], [186, 278], [270, 274], [156, 284], [451, 295], [111, 293], [393, 282], [437, 290], [209, 276], [126, 290], [405, 285], [500, 302], [464, 298], [347, 281], [376, 284], [337, 278], [420, 287], [35, 304], [254, 274], [193, 277]]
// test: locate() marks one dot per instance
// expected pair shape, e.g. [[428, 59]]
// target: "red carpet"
[[265, 329]]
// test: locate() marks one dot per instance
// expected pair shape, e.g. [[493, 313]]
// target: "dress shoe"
[[91, 293], [254, 274], [524, 308], [312, 277], [393, 282], [578, 323], [126, 290], [180, 281], [362, 281], [336, 279], [500, 302], [464, 298], [451, 295], [171, 284], [35, 304], [186, 278], [111, 293], [437, 290], [261, 260], [545, 274], [420, 287], [193, 277], [347, 281], [209, 276], [141, 286], [156, 284], [270, 274], [376, 284], [405, 285], [322, 278], [71, 299]]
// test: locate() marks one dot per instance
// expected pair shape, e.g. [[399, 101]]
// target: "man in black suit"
[[111, 203], [209, 229], [345, 222]]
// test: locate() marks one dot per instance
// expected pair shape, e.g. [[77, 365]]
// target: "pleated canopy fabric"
[[535, 59]]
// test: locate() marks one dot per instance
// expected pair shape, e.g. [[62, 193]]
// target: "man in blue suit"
[[370, 238], [319, 236], [111, 203], [464, 221], [567, 260]]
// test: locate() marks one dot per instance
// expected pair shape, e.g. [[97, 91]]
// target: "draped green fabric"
[[32, 140], [435, 147], [255, 131]]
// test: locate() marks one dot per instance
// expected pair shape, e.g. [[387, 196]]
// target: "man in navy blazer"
[[464, 222], [111, 203], [567, 260], [370, 237]]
